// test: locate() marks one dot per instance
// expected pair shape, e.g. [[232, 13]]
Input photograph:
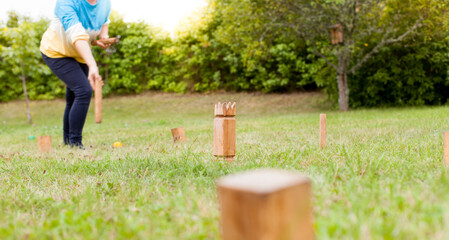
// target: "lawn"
[[380, 177]]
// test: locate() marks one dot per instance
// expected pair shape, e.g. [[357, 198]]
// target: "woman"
[[65, 47]]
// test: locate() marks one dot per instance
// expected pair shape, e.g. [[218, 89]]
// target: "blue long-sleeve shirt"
[[74, 20]]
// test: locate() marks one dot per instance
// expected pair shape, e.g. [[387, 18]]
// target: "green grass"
[[381, 177]]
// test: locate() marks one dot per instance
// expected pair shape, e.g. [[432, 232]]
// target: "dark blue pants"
[[78, 95]]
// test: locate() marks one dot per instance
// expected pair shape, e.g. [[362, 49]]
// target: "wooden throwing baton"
[[106, 41], [98, 101]]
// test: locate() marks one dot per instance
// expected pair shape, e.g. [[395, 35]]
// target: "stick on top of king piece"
[[225, 109]]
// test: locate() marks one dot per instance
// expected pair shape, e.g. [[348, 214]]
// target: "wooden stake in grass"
[[44, 143], [178, 134], [322, 131], [98, 101], [224, 131], [446, 147], [266, 204]]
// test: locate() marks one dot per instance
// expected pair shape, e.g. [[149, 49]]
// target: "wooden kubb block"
[[224, 131], [44, 143], [178, 134], [98, 102], [323, 131], [446, 148], [266, 204]]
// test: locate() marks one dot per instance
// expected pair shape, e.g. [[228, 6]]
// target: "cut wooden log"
[[266, 204]]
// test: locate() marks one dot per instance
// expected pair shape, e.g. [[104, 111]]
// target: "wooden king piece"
[[98, 102], [224, 131], [44, 143], [266, 204]]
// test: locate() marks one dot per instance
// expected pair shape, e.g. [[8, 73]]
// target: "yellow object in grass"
[[117, 144]]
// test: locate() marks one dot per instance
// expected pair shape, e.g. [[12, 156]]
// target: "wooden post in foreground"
[[266, 204], [322, 131], [98, 101], [178, 134], [446, 147], [224, 131], [44, 143]]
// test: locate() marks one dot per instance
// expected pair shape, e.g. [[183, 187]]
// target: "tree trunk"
[[343, 92], [25, 93], [346, 92]]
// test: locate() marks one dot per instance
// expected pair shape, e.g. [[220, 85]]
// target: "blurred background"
[[359, 53]]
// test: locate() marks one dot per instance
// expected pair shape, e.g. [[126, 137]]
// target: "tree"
[[13, 19], [366, 25], [22, 53]]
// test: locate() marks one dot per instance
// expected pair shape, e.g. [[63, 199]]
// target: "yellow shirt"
[[54, 44]]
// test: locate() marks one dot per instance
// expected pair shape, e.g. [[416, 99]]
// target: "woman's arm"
[[84, 50], [104, 34]]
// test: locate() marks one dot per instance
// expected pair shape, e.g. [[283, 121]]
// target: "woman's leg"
[[78, 112], [74, 75], [69, 98], [77, 116]]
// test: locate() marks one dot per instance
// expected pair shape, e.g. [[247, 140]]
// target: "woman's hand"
[[94, 76], [104, 35], [103, 46]]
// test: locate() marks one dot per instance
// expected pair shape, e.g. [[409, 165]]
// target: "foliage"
[[211, 62], [254, 23], [258, 46], [139, 61], [19, 48], [416, 75]]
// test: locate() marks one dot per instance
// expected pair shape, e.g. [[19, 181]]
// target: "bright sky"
[[164, 13]]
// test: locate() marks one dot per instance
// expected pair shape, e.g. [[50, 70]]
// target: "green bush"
[[199, 59], [139, 61], [413, 75], [19, 50]]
